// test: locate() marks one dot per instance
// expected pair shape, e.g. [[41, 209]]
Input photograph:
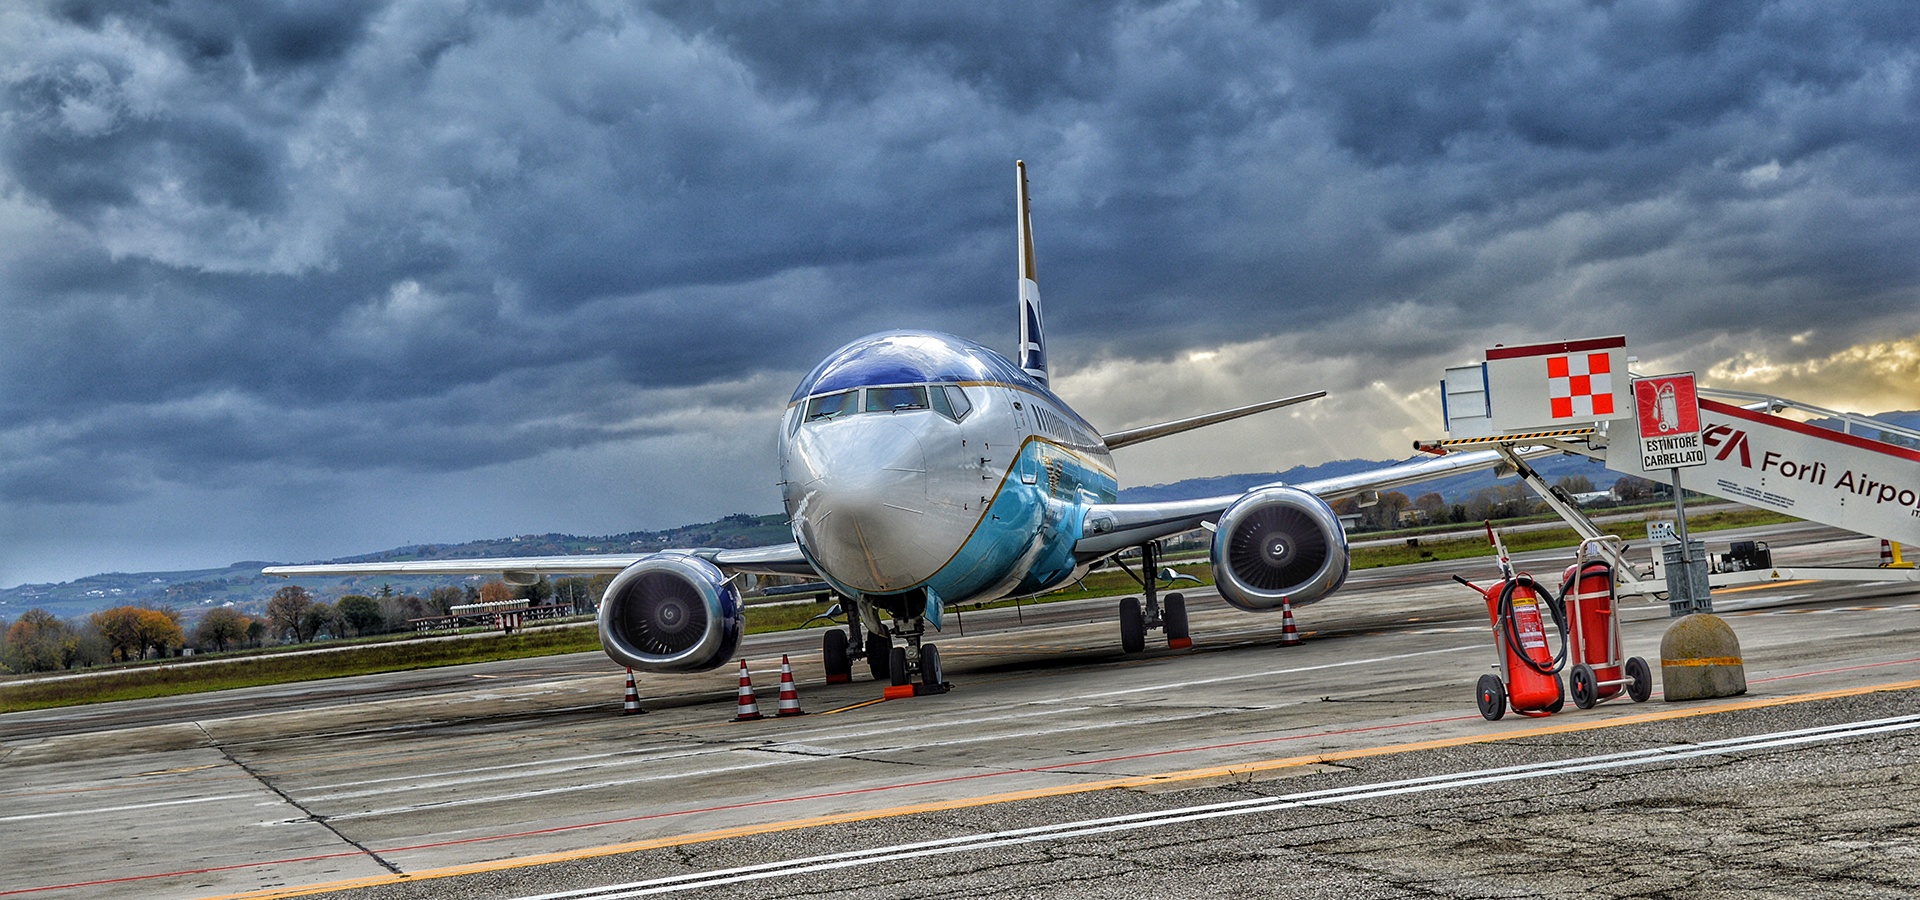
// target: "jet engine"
[[671, 613], [1278, 542]]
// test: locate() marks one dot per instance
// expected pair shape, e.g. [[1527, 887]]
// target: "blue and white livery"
[[922, 470]]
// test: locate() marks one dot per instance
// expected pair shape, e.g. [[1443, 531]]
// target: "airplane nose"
[[862, 510]]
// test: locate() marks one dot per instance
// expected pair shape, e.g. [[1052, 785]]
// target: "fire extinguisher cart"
[[1529, 679], [1599, 673]]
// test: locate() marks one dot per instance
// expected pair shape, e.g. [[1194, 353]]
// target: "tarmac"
[[1353, 764]]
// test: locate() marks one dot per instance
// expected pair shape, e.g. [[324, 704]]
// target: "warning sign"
[[1669, 416]]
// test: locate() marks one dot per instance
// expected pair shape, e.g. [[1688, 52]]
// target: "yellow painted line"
[[1241, 769], [864, 703], [1704, 661], [1761, 587]]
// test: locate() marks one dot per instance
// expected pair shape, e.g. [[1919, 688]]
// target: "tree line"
[[39, 641], [1394, 509]]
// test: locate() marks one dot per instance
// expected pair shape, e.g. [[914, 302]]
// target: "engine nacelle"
[[1278, 542], [671, 613]]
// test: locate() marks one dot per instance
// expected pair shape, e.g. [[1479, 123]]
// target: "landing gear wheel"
[[897, 665], [1176, 618], [877, 656], [833, 652], [931, 677], [1585, 692], [1133, 626], [1639, 680], [1492, 697]]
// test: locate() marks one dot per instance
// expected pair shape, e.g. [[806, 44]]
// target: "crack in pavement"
[[290, 801]]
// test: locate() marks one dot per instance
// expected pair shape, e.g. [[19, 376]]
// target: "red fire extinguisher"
[[1588, 592], [1529, 676], [1531, 669], [1599, 673]]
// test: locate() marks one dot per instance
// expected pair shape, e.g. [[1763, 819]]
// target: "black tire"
[[1559, 697], [1585, 692], [833, 653], [1639, 680], [1133, 626], [1492, 697], [930, 675], [877, 655], [897, 665], [1176, 613]]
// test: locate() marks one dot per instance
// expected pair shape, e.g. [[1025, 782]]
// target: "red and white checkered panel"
[[1580, 386]]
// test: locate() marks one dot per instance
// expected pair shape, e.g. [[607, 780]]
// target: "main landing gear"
[[1137, 618], [865, 637], [840, 648]]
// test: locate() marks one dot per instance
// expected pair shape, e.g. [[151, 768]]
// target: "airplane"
[[921, 471]]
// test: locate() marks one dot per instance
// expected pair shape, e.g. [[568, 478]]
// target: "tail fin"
[[1033, 341]]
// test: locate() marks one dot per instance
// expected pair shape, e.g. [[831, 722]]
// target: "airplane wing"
[[779, 559], [1117, 526]]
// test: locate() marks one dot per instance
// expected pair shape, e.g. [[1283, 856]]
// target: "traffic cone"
[[1288, 634], [632, 705], [749, 708], [789, 696], [1886, 553]]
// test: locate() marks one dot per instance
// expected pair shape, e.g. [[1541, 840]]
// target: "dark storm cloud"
[[430, 237]]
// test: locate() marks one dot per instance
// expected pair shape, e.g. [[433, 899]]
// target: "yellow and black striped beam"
[[1516, 438]]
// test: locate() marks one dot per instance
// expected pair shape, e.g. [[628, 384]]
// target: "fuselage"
[[918, 464]]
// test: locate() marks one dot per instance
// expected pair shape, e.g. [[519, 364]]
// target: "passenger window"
[[827, 406], [884, 399], [957, 398]]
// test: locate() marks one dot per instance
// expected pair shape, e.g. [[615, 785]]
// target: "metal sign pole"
[[1680, 516]]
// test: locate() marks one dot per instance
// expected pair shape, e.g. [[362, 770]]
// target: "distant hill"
[[241, 584], [1453, 488]]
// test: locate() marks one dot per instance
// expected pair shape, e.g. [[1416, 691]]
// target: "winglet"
[[1033, 342]]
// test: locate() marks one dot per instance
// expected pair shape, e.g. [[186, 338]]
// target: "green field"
[[400, 654]]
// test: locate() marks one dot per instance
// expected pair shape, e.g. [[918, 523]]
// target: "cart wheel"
[[1584, 691], [1639, 680], [1559, 697], [1492, 697]]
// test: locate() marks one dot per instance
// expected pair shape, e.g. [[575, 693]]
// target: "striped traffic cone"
[[1288, 634], [1886, 553], [632, 705], [749, 708], [789, 696]]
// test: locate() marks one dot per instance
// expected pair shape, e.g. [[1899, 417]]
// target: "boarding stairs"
[[1852, 471]]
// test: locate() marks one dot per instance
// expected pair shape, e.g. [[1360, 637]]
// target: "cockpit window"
[[958, 399], [884, 399], [827, 406]]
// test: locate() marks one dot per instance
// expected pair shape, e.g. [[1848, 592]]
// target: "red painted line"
[[1896, 662], [182, 872], [833, 794]]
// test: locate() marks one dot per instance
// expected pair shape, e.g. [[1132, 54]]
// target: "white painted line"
[[98, 810], [1159, 818], [1268, 673], [553, 791]]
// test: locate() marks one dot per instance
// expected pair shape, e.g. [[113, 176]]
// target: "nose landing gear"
[[917, 663]]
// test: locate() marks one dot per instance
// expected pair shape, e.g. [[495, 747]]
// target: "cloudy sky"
[[293, 281]]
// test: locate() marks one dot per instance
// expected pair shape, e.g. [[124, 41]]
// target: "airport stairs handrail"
[[1849, 421]]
